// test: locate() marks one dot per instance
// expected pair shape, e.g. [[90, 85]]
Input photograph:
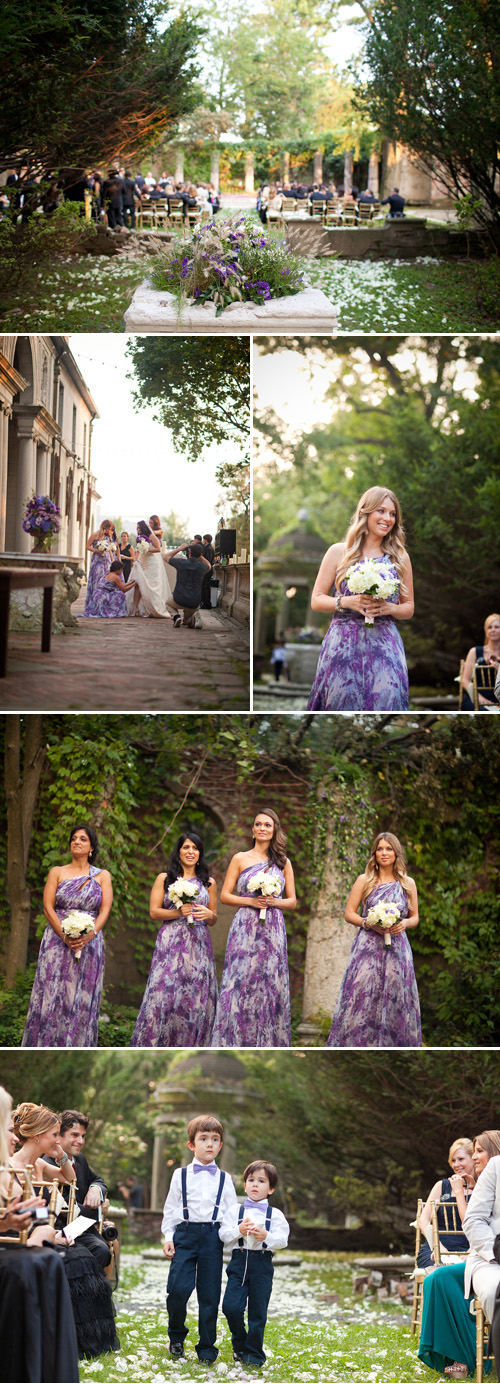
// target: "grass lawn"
[[422, 295], [317, 1331], [84, 294]]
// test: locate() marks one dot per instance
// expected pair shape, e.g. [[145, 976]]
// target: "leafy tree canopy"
[[97, 81], [434, 85]]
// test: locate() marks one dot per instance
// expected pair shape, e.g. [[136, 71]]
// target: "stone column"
[[179, 166], [5, 414], [373, 175], [249, 172], [214, 168], [318, 166], [42, 470], [348, 161], [26, 474], [329, 938]]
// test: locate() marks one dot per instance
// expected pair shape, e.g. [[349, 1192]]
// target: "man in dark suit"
[[90, 1188], [396, 205], [209, 555]]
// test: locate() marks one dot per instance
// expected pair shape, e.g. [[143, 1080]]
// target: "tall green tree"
[[96, 81], [434, 84]]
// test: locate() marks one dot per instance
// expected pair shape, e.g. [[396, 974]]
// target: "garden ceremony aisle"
[[131, 665], [317, 1330]]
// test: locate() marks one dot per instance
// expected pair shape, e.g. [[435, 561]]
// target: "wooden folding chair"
[[364, 211], [318, 208], [484, 677]]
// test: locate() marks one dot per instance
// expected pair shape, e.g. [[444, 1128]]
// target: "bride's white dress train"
[[155, 584]]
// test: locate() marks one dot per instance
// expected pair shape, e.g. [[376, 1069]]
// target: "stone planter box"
[[155, 311], [26, 606]]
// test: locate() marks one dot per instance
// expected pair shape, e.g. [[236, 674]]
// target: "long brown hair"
[[399, 867], [277, 848], [393, 542], [489, 1141]]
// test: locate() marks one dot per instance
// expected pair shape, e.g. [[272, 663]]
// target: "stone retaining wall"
[[408, 239]]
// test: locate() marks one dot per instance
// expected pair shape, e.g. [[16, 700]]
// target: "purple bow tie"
[[260, 1205], [205, 1168]]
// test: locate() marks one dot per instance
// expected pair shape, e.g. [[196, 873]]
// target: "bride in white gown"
[[154, 585]]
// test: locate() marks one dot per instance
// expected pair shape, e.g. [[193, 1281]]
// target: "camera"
[[39, 1214], [109, 1232]]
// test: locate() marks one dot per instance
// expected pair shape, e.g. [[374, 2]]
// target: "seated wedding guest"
[[396, 205], [252, 1231], [485, 655], [366, 197], [15, 1214], [125, 554], [91, 1189], [482, 1225], [460, 1159], [448, 1331], [191, 570]]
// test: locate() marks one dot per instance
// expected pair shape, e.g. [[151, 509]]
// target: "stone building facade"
[[46, 418]]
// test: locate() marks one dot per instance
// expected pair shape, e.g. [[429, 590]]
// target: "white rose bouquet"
[[102, 545], [76, 924], [183, 891], [269, 888], [368, 578], [384, 915], [142, 544]]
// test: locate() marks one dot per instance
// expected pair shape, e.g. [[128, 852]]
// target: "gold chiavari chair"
[[418, 1276], [482, 1339], [483, 680], [23, 1177]]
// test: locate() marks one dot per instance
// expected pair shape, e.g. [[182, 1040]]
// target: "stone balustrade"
[[26, 606], [234, 590]]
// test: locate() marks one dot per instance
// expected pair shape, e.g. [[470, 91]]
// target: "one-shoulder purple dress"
[[178, 1008], [254, 1001], [361, 667], [378, 1005], [66, 994]]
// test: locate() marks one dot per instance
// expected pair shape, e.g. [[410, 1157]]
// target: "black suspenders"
[[185, 1210], [267, 1223]]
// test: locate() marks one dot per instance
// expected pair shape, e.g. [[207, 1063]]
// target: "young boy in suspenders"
[[199, 1197], [253, 1231]]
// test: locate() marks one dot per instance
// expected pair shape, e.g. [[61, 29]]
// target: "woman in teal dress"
[[448, 1330]]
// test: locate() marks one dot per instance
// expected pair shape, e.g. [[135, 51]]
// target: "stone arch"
[[24, 362]]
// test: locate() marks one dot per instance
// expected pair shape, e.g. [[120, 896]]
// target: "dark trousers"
[[129, 210], [205, 592], [197, 1263], [249, 1281], [115, 217], [97, 1246]]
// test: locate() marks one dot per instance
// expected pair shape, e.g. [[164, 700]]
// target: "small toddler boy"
[[198, 1199], [250, 1271]]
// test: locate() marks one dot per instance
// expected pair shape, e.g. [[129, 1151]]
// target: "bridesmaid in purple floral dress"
[[178, 1008], [100, 563], [378, 1004], [363, 667], [66, 994], [254, 1001]]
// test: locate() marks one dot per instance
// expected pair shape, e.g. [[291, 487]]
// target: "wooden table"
[[12, 578]]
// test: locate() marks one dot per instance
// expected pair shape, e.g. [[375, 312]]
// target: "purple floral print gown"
[[178, 1008], [104, 600], [254, 1000], [361, 667], [378, 1004], [66, 994]]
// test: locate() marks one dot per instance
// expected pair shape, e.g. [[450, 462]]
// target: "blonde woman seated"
[[448, 1331], [455, 1191], [15, 1215], [36, 1130], [485, 655]]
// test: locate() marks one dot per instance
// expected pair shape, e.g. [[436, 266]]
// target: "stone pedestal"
[[302, 660], [26, 606], [329, 938]]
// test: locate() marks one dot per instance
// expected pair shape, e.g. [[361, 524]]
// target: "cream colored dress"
[[153, 578]]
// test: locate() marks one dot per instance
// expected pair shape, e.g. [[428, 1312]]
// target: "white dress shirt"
[[202, 1191], [277, 1235]]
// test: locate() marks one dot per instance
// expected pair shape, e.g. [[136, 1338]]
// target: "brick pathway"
[[131, 665]]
